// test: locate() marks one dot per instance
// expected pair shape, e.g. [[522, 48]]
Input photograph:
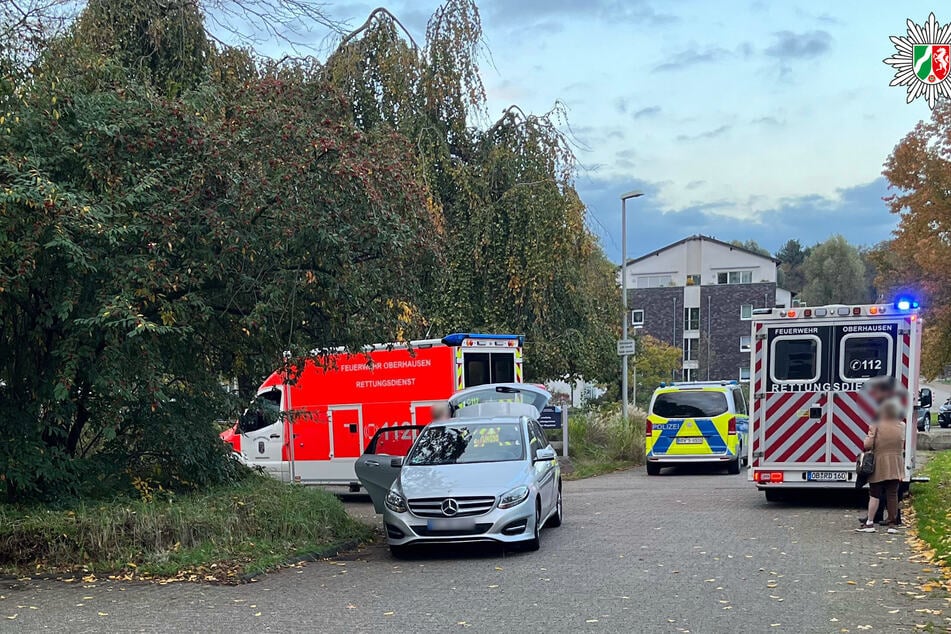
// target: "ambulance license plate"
[[451, 524], [827, 476], [689, 440]]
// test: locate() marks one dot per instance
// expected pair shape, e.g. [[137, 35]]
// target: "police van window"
[[740, 398], [865, 356], [795, 359], [537, 436], [690, 404], [484, 367]]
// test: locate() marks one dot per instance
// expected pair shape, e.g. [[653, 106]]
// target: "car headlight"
[[513, 498], [395, 500]]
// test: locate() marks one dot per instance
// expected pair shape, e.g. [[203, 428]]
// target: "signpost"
[[555, 417], [625, 347]]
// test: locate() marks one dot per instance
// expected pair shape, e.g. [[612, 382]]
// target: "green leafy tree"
[[153, 241], [791, 257], [834, 273], [751, 245], [656, 363]]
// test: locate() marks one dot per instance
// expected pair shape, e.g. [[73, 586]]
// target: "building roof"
[[703, 238]]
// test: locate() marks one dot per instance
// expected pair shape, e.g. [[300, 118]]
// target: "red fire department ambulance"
[[339, 402], [809, 414]]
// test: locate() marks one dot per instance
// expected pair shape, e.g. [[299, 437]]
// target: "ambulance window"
[[865, 356], [795, 359], [483, 367], [265, 410]]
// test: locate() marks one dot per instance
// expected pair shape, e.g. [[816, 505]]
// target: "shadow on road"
[[700, 468], [450, 552]]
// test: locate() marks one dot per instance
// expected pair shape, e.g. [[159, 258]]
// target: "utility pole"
[[626, 315]]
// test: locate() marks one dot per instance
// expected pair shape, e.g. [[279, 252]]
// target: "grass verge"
[[221, 533], [932, 504], [601, 442]]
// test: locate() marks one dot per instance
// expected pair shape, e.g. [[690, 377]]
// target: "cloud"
[[630, 11], [856, 212], [691, 57], [789, 45], [649, 111], [771, 122], [709, 134]]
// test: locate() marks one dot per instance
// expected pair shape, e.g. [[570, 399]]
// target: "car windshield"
[[468, 443], [690, 404]]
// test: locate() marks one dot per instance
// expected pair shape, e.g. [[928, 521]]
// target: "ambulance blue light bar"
[[457, 338], [906, 303]]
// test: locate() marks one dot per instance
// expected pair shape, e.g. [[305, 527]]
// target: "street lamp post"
[[625, 316]]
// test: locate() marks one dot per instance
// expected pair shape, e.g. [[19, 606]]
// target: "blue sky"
[[738, 119]]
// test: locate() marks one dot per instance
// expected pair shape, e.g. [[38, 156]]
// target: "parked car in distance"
[[944, 415], [486, 475]]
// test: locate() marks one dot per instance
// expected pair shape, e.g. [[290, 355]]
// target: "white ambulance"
[[809, 414]]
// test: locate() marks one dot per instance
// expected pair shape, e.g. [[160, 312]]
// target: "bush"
[[248, 526], [600, 441]]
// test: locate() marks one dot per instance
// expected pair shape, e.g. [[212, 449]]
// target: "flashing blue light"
[[456, 338], [906, 303], [663, 384]]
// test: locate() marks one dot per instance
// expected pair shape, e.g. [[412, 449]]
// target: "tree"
[[751, 245], [153, 241], [656, 362], [916, 259], [834, 274], [791, 257]]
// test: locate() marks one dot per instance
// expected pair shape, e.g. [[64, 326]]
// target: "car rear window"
[[703, 403]]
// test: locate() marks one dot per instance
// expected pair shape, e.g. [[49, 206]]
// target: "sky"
[[746, 119]]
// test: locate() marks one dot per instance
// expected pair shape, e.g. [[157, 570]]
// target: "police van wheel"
[[653, 469], [555, 520], [733, 467]]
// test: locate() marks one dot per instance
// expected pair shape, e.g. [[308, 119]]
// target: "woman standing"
[[886, 439]]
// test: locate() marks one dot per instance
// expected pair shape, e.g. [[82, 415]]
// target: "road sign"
[[625, 347], [550, 417]]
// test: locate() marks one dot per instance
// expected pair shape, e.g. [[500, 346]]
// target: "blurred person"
[[439, 411], [886, 440]]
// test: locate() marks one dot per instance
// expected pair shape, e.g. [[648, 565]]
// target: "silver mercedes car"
[[488, 474]]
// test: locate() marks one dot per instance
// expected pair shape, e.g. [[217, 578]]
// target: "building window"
[[735, 277], [745, 343], [690, 349], [691, 318], [746, 311], [744, 375], [654, 281], [693, 280], [637, 317], [688, 374]]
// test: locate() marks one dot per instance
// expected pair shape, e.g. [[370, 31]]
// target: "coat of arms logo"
[[923, 60]]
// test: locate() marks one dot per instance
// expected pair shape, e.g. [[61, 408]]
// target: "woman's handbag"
[[865, 465]]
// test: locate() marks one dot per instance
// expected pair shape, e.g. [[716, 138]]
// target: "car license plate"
[[689, 440], [827, 476], [451, 524]]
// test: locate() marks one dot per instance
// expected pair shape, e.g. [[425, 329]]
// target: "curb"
[[324, 553]]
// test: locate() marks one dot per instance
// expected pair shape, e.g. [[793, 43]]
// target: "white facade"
[[703, 257]]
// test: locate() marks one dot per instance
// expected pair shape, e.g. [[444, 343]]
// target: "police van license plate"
[[689, 440], [451, 524], [827, 476]]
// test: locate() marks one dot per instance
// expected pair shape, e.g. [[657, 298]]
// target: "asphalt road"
[[686, 552]]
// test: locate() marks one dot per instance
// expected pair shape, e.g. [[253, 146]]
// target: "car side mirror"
[[924, 397], [545, 454], [396, 463]]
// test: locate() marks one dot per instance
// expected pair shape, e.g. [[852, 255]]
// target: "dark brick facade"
[[719, 356]]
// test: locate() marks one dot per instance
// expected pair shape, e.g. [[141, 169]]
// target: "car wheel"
[[399, 552], [653, 468], [927, 425], [774, 495], [555, 520], [535, 542]]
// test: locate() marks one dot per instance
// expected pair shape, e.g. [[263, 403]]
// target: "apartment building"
[[699, 294]]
